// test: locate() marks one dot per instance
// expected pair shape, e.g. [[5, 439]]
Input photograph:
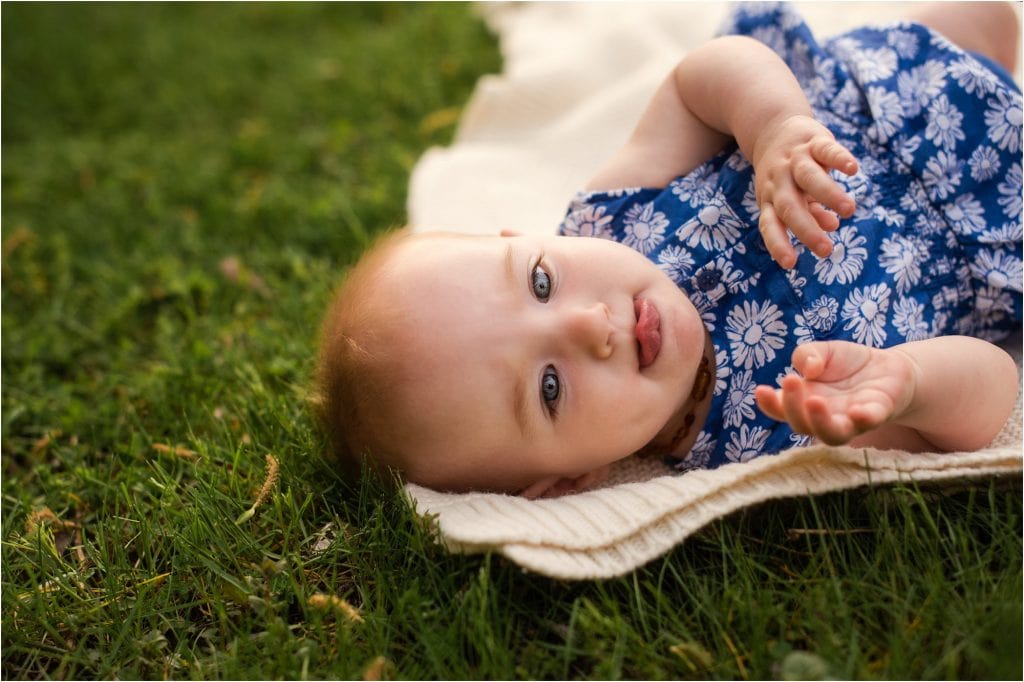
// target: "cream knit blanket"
[[576, 77]]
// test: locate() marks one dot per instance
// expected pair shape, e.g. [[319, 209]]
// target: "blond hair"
[[355, 378]]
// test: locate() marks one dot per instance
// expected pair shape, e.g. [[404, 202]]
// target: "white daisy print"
[[645, 228], [715, 227], [887, 111], [801, 330], [821, 314], [1005, 233], [796, 280], [723, 370], [1004, 118], [965, 214], [846, 48], [940, 267], [984, 163], [846, 261], [590, 221], [799, 440], [888, 216], [867, 198], [941, 175], [834, 122], [905, 148], [739, 401], [737, 161], [849, 99], [750, 202], [746, 444], [820, 85], [993, 302], [875, 64], [951, 240], [930, 221], [972, 77], [864, 312], [918, 86], [944, 124], [699, 454], [939, 322], [1010, 191], [708, 317], [755, 332], [705, 306], [914, 198], [908, 318], [904, 42], [901, 256], [694, 188], [676, 262], [998, 269], [871, 167], [946, 297]]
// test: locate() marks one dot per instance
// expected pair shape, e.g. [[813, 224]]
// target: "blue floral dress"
[[934, 247]]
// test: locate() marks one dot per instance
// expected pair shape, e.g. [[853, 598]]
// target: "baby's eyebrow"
[[519, 404], [510, 273]]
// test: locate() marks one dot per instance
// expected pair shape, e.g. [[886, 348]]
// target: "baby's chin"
[[659, 444]]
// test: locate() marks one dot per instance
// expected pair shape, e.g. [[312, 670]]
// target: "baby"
[[840, 220]]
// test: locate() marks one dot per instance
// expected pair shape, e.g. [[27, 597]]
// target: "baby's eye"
[[550, 386], [541, 282]]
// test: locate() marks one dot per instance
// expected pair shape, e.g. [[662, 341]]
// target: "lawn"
[[182, 185]]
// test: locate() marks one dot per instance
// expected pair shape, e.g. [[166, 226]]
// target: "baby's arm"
[[947, 393], [736, 87]]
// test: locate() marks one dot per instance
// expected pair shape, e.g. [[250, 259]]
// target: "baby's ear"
[[556, 486], [511, 233]]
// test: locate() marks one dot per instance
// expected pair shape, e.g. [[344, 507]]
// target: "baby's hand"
[[792, 160], [846, 389]]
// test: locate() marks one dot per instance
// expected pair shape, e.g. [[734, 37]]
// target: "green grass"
[[182, 186]]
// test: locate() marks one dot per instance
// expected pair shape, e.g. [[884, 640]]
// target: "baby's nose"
[[589, 328]]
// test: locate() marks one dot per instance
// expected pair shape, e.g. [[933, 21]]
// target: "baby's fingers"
[[827, 220], [819, 185], [867, 416], [831, 154], [829, 428], [790, 208], [776, 239], [806, 414], [769, 402], [794, 404]]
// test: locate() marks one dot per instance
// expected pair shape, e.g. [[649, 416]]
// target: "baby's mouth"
[[648, 330]]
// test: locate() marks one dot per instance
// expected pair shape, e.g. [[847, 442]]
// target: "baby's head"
[[507, 363]]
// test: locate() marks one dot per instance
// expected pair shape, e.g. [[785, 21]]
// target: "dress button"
[[708, 279]]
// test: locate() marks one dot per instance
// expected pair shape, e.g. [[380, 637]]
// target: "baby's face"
[[521, 361]]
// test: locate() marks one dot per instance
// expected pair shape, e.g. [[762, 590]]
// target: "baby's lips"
[[648, 330]]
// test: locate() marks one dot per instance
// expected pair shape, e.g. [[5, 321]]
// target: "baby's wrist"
[[904, 410], [773, 131]]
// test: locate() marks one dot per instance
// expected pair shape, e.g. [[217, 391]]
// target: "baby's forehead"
[[445, 244], [430, 260]]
